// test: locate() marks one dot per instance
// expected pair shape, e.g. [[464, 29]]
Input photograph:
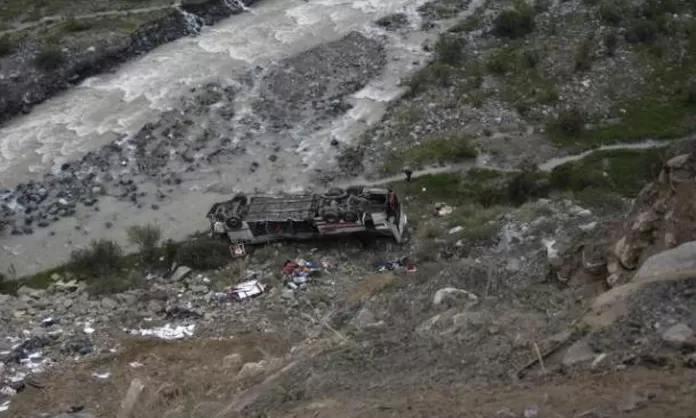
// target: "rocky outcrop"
[[23, 84], [662, 218]]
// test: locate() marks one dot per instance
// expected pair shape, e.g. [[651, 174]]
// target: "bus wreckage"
[[261, 218]]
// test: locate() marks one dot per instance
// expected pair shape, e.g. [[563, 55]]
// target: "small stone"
[[630, 402], [155, 306], [181, 272], [450, 292], [531, 412], [250, 369], [199, 289], [109, 304], [232, 361], [578, 353]]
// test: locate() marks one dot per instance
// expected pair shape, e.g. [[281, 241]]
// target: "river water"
[[114, 106]]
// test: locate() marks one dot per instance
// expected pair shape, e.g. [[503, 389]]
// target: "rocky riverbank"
[[38, 65]]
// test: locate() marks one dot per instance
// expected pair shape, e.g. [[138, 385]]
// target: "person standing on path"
[[408, 171]]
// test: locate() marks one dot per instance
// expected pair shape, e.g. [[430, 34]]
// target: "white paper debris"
[[248, 289], [104, 375], [4, 406], [167, 332], [456, 229], [135, 365], [8, 391], [88, 327]]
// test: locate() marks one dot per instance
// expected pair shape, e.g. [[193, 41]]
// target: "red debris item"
[[289, 267]]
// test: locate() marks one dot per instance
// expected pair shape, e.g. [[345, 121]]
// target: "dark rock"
[[177, 313], [79, 346], [392, 22]]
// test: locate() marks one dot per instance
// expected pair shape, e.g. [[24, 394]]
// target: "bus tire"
[[350, 216], [335, 193], [330, 216], [233, 222]]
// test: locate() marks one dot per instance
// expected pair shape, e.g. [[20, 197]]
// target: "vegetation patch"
[[515, 23], [203, 253], [624, 172], [147, 239], [74, 25], [49, 58], [437, 151], [523, 83], [6, 46]]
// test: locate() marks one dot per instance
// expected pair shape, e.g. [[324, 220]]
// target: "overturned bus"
[[252, 219]]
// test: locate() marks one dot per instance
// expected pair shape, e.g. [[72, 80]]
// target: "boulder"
[[674, 261], [181, 273], [232, 361], [679, 336], [452, 293], [364, 318]]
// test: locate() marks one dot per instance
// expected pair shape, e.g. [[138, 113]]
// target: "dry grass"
[[430, 230], [170, 380], [370, 286]]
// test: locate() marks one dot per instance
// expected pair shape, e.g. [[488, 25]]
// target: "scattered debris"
[[167, 332], [402, 263], [300, 271], [247, 289]]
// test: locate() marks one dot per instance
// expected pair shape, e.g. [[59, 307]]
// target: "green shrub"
[[529, 184], [583, 56], [114, 283], [642, 31], [50, 58], [203, 254], [541, 6], [611, 42], [571, 123], [600, 200], [147, 239], [690, 95], [437, 73], [102, 258], [6, 46], [450, 50], [610, 13], [73, 25], [440, 151], [575, 177], [514, 23], [498, 64]]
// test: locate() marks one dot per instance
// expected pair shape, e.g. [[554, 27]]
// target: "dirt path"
[[481, 162], [55, 19]]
